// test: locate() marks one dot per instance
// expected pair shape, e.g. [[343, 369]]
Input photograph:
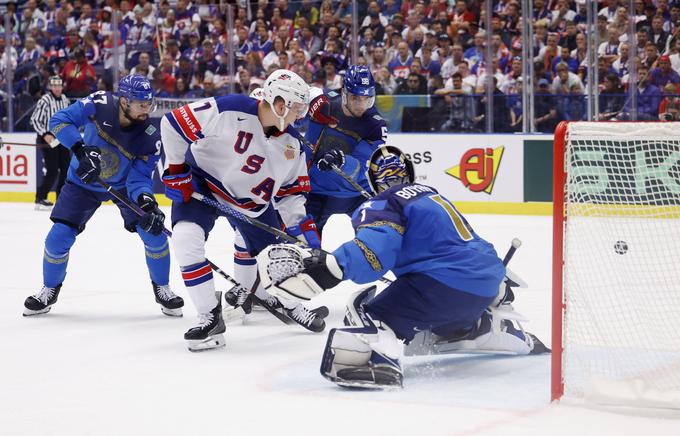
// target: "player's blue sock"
[[157, 254], [59, 241]]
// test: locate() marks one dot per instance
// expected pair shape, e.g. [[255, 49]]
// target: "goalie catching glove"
[[294, 273]]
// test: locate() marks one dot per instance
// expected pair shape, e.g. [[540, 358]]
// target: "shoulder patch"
[[332, 94], [150, 130], [377, 117]]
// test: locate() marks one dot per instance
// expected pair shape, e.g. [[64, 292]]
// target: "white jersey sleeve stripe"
[[188, 123]]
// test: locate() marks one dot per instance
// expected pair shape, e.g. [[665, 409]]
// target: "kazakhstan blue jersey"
[[413, 229], [129, 155], [356, 137]]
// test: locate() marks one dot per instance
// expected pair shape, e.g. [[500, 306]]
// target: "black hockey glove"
[[323, 269], [332, 157], [153, 220], [89, 162]]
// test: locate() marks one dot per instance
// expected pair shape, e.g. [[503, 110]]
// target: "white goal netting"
[[621, 278]]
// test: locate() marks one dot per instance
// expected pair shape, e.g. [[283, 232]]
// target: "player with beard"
[[120, 144]]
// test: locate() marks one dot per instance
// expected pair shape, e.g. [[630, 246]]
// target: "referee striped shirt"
[[46, 107]]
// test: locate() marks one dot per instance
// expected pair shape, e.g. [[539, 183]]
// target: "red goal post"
[[616, 263]]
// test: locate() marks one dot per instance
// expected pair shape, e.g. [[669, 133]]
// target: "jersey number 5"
[[462, 227]]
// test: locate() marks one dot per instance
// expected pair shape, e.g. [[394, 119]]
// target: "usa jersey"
[[128, 155], [223, 141], [413, 229], [356, 137]]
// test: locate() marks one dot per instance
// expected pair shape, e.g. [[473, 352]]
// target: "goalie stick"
[[238, 312]]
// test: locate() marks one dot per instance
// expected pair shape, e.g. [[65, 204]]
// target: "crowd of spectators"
[[413, 47]]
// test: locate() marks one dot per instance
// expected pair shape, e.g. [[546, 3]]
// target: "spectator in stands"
[[333, 80], [377, 60], [476, 53], [545, 108], [561, 15], [611, 98], [460, 105], [620, 65], [413, 85], [443, 50], [79, 76], [193, 51], [386, 81], [450, 66], [309, 42], [651, 55], [669, 108], [428, 67], [648, 98], [569, 37], [609, 49], [501, 111], [548, 53], [565, 56], [401, 64], [664, 74], [564, 80], [144, 66], [657, 35]]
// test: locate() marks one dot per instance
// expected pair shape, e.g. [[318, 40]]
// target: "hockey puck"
[[621, 247]]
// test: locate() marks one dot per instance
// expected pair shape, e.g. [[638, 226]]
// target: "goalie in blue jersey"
[[121, 145], [452, 292]]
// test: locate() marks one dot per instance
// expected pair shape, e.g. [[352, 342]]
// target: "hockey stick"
[[260, 225], [26, 144], [514, 245], [138, 210]]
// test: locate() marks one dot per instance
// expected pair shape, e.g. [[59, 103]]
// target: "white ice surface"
[[105, 361]]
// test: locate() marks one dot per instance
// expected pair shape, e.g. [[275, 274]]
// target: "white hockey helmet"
[[291, 88]]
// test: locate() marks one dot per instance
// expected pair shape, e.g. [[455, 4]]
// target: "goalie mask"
[[388, 167]]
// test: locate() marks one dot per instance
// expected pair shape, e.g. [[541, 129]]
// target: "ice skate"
[[381, 372], [208, 333], [312, 320], [171, 304], [239, 304], [42, 301], [43, 204]]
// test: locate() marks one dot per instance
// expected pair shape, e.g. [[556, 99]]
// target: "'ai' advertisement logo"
[[478, 168]]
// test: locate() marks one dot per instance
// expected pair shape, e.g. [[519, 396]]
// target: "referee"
[[57, 157]]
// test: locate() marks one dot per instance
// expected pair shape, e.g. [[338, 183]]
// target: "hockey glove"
[[320, 111], [178, 182], [89, 162], [306, 231], [153, 220], [332, 157], [323, 268]]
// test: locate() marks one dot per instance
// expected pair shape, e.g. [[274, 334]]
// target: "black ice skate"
[[312, 320], [171, 304], [238, 296], [208, 333], [43, 204], [42, 301]]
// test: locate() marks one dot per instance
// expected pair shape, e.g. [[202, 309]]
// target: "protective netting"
[[621, 280]]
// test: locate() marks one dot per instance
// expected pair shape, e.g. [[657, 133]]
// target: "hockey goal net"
[[616, 263]]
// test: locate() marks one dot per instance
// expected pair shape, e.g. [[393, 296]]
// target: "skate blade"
[[171, 312], [209, 343], [232, 315], [43, 208], [29, 312], [350, 384]]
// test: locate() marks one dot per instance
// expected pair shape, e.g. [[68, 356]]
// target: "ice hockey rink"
[[105, 361]]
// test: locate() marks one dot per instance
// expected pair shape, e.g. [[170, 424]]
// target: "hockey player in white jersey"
[[244, 153]]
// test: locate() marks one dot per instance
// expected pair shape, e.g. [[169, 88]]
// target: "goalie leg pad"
[[349, 360]]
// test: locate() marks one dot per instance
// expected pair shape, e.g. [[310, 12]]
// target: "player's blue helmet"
[[359, 81], [387, 167], [358, 90], [135, 87]]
